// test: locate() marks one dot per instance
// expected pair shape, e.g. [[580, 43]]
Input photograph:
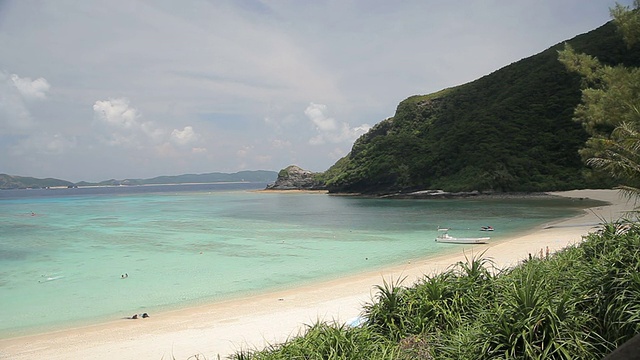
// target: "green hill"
[[22, 182], [509, 131], [258, 176]]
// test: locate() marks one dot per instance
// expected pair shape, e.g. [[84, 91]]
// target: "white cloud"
[[330, 130], [185, 136], [124, 124], [15, 92], [362, 129], [117, 113], [31, 89], [315, 112], [125, 127]]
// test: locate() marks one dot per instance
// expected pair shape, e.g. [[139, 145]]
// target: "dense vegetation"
[[609, 107], [511, 131], [580, 303]]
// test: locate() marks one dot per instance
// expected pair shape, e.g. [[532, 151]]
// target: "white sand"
[[223, 328]]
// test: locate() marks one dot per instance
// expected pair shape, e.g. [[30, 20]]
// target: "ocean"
[[71, 257]]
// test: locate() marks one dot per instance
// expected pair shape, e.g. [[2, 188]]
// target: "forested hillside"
[[508, 131], [24, 182]]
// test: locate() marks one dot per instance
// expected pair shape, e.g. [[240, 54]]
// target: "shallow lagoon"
[[188, 244]]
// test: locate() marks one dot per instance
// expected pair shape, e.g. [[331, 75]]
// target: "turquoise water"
[[186, 245]]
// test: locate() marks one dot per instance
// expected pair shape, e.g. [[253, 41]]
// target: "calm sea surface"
[[184, 245]]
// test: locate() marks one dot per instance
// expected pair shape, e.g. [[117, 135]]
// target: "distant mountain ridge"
[[22, 182], [25, 182]]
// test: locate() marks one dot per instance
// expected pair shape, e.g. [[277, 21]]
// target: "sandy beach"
[[226, 327]]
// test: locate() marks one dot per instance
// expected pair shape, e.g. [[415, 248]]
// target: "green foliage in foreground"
[[580, 303]]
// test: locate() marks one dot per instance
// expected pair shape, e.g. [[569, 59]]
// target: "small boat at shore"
[[446, 238]]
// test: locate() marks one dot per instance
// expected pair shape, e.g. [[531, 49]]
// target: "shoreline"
[[225, 327], [290, 191]]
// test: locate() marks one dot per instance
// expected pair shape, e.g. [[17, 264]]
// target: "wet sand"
[[225, 327]]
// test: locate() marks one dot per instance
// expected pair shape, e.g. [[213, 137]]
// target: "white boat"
[[446, 238]]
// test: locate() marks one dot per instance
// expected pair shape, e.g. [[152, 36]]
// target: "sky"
[[94, 90]]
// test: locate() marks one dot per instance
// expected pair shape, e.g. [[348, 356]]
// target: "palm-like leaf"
[[619, 155]]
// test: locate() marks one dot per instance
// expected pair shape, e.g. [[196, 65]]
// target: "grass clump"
[[580, 303]]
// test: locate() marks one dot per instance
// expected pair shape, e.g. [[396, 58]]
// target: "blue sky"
[[92, 90]]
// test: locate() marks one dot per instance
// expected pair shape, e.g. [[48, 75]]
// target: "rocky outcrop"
[[296, 178]]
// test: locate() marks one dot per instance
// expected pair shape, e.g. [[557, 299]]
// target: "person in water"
[[135, 316]]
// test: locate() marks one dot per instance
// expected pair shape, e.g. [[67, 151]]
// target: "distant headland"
[[24, 182]]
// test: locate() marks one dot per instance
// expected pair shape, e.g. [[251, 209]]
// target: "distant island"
[[23, 182]]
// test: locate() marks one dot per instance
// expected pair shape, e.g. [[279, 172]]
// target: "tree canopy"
[[610, 106]]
